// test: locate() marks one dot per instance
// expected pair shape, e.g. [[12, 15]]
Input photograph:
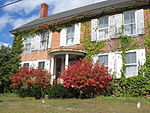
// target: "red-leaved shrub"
[[28, 77], [86, 76]]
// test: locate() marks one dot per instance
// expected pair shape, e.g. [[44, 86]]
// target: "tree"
[[5, 68], [17, 49]]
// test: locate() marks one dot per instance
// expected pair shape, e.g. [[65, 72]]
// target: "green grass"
[[124, 99], [13, 104]]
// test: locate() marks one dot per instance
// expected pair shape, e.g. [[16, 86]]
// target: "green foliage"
[[30, 92], [147, 62], [5, 69], [92, 48], [17, 49], [58, 91], [127, 43], [133, 86]]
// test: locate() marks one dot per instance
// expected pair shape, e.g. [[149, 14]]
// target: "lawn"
[[10, 103]]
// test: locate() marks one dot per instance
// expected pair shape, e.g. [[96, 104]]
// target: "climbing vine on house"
[[147, 47], [127, 43], [92, 48]]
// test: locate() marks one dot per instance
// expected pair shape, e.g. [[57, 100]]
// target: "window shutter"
[[37, 42], [94, 27], [111, 62], [50, 39], [115, 25], [140, 21], [141, 56], [33, 42], [95, 58], [77, 33], [118, 26], [118, 65], [63, 37], [112, 27]]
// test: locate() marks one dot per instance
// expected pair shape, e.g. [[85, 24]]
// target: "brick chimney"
[[44, 10]]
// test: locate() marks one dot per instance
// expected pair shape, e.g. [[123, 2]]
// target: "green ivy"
[[127, 43], [92, 48]]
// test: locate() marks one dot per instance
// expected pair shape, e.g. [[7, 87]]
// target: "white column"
[[66, 60], [52, 70]]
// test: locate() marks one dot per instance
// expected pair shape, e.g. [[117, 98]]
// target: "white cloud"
[[4, 44], [26, 7], [4, 20], [20, 21]]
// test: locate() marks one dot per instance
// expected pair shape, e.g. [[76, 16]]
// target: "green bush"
[[133, 86], [58, 91], [30, 92]]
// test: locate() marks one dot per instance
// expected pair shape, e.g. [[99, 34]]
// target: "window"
[[70, 35], [103, 60], [26, 65], [43, 40], [103, 28], [129, 23], [27, 45], [41, 64], [131, 64]]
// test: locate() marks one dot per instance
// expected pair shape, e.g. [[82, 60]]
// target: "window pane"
[[43, 42], [103, 22], [28, 47], [103, 33], [26, 65], [130, 29], [130, 57], [129, 17], [70, 30], [131, 70], [129, 23], [41, 65], [70, 35], [103, 60]]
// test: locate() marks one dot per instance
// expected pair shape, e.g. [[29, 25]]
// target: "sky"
[[25, 11]]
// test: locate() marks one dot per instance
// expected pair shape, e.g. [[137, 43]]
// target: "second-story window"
[[70, 35], [43, 40], [103, 28], [27, 45], [129, 23]]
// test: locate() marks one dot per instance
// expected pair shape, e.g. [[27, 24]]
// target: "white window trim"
[[73, 38], [137, 57], [45, 40], [136, 34], [28, 42], [97, 31]]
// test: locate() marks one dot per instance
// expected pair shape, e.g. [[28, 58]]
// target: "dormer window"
[[103, 28]]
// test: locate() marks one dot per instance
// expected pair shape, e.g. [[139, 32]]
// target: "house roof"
[[97, 7]]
